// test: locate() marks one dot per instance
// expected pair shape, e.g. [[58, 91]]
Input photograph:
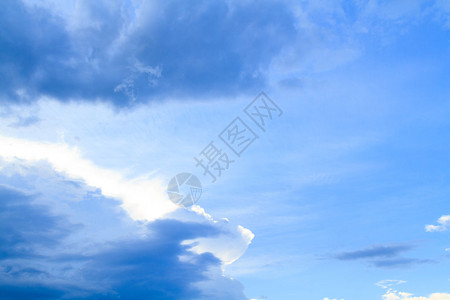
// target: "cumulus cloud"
[[46, 254], [109, 222], [69, 219], [375, 251], [68, 132], [142, 199], [395, 295], [131, 51], [389, 283], [127, 51], [392, 294], [443, 224], [400, 262]]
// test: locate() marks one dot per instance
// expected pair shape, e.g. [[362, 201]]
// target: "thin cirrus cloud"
[[388, 283], [397, 295], [384, 256]]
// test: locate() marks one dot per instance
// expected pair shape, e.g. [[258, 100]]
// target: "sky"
[[318, 130]]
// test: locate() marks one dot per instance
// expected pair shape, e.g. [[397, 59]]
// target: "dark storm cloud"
[[38, 262], [115, 53]]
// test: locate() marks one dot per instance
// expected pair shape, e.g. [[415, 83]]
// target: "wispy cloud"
[[396, 295], [400, 262], [388, 283], [374, 252], [384, 256]]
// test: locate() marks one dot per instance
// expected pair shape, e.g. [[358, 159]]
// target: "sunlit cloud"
[[143, 199], [396, 295]]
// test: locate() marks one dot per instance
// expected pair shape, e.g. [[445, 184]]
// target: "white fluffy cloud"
[[395, 295], [443, 224], [392, 294], [143, 199]]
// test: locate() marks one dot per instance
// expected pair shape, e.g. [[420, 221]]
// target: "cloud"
[[443, 222], [24, 122], [395, 295], [150, 267], [137, 51], [389, 283], [384, 256], [46, 255], [392, 294], [142, 199], [71, 197], [400, 262], [442, 9], [110, 168], [25, 227], [218, 245], [127, 51], [374, 252]]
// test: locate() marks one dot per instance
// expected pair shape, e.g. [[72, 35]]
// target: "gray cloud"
[[46, 256], [400, 262], [383, 256], [112, 51], [374, 252]]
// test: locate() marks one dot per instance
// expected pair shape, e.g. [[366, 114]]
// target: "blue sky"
[[344, 195]]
